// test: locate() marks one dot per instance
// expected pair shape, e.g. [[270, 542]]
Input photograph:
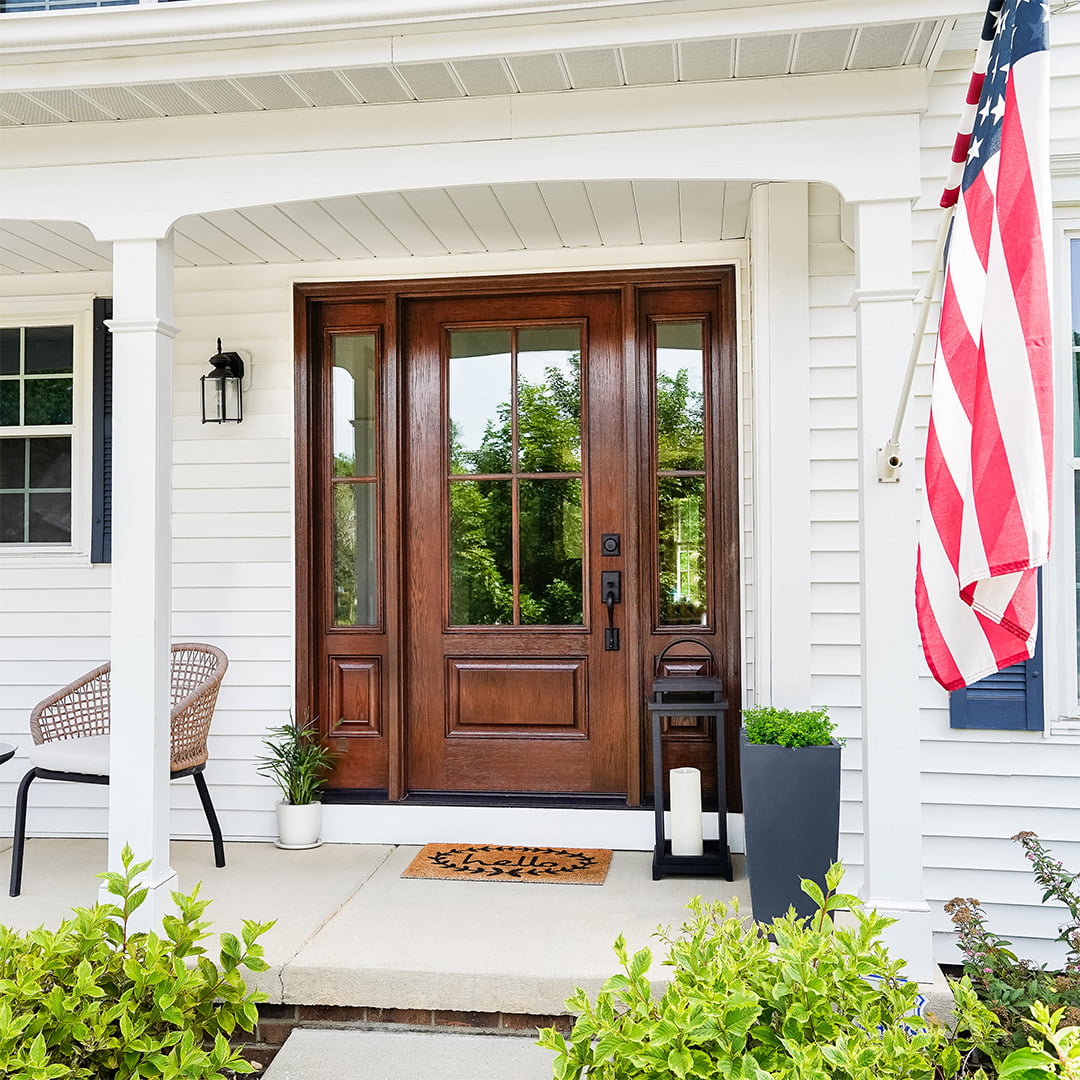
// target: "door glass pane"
[[549, 399], [480, 405], [353, 408], [481, 553], [355, 555], [682, 548], [680, 415], [551, 547]]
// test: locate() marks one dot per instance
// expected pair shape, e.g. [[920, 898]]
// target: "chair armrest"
[[79, 709]]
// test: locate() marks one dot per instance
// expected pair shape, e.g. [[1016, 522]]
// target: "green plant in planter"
[[798, 999], [297, 761], [93, 1001], [782, 727]]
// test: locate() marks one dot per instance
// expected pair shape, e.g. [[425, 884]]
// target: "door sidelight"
[[611, 592]]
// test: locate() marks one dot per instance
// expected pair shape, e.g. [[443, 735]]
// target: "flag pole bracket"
[[889, 463]]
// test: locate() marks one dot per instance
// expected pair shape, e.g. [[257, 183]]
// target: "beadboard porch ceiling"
[[474, 219], [463, 220]]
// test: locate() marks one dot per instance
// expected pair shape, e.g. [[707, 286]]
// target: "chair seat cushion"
[[87, 755]]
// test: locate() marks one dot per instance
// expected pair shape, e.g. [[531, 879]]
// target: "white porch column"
[[141, 563], [780, 268], [892, 805]]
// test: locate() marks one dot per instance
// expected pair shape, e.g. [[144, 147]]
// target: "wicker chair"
[[71, 736]]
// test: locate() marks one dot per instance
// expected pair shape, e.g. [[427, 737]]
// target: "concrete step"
[[310, 1054]]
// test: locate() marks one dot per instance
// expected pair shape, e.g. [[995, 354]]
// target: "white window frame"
[[1062, 687], [76, 311]]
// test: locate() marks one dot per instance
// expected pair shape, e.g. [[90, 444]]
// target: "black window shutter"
[[101, 501], [1008, 700]]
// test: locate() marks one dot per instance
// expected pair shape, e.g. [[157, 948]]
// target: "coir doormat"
[[492, 862]]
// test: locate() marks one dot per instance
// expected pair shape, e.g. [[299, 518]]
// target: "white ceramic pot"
[[299, 826]]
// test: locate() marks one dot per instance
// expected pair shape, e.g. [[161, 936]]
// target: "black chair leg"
[[211, 818], [18, 843]]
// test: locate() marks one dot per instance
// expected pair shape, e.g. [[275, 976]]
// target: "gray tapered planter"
[[791, 812]]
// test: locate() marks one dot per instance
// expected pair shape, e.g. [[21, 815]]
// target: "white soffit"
[[753, 56], [479, 218]]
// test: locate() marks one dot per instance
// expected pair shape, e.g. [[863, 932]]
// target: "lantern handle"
[[685, 641]]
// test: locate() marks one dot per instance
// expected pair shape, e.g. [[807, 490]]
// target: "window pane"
[[10, 337], [12, 519], [9, 402], [481, 553], [682, 547], [12, 463], [550, 542], [50, 518], [49, 349], [680, 399], [354, 405], [355, 555], [50, 463], [480, 424], [549, 399], [48, 401]]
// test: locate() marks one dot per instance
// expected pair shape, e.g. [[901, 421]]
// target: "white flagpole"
[[889, 460]]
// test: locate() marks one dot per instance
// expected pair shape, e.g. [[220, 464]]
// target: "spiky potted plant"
[[298, 761]]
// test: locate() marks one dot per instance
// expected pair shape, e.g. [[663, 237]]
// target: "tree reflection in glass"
[[515, 410]]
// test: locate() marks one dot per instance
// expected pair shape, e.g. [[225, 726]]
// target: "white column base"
[[911, 937]]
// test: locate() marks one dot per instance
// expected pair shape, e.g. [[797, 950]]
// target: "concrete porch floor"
[[351, 932]]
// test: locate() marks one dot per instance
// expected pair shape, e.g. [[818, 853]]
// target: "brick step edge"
[[277, 1022]]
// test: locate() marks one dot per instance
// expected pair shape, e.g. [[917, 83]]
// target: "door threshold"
[[499, 799]]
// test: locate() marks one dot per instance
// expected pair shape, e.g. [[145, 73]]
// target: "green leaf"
[[680, 1061]]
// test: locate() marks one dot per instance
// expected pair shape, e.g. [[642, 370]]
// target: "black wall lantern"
[[222, 392]]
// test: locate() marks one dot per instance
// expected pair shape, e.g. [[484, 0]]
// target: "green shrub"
[[91, 1001], [782, 727], [1007, 984], [1035, 1062], [796, 999]]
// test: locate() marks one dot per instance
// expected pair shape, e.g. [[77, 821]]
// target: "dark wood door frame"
[[317, 306]]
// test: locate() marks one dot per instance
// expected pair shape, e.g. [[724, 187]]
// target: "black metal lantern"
[[688, 695], [222, 388]]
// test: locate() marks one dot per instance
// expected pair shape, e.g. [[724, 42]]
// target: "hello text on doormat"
[[493, 862]]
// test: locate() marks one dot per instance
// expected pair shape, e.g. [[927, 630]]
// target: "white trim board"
[[621, 830]]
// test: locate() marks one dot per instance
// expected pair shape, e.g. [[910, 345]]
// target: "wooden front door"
[[516, 465], [483, 464]]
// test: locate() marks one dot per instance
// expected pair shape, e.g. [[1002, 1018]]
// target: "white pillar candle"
[[686, 835]]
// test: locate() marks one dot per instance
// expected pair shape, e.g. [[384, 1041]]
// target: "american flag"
[[985, 525]]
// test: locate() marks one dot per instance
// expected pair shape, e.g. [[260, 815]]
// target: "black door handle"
[[611, 590]]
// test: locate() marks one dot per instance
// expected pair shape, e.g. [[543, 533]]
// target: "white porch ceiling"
[[851, 48], [501, 217]]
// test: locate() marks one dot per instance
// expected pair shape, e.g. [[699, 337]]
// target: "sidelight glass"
[[680, 423], [681, 526], [354, 418], [481, 552], [355, 554], [354, 480], [551, 550], [549, 399], [680, 396], [480, 378]]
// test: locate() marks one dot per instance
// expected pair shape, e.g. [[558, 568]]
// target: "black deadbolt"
[[610, 544]]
